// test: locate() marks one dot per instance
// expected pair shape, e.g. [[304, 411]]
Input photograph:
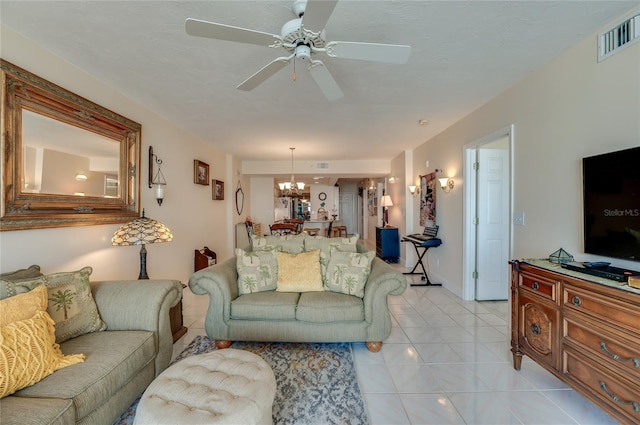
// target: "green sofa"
[[297, 317], [120, 361]]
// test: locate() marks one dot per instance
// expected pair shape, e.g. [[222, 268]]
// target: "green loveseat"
[[297, 317], [120, 361]]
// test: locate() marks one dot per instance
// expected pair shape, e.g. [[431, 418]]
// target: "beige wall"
[[571, 108], [188, 210]]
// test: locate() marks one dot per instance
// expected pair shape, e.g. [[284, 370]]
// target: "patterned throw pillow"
[[71, 303], [347, 272], [326, 244], [293, 244], [29, 272], [28, 353], [257, 271], [299, 272]]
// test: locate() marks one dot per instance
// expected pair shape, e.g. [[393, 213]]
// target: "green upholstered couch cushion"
[[292, 244], [112, 358], [326, 307], [270, 305]]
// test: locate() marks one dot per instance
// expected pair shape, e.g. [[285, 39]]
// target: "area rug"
[[315, 383]]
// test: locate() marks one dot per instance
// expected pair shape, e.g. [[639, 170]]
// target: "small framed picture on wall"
[[218, 190], [200, 172]]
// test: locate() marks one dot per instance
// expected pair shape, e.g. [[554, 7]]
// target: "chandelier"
[[291, 188]]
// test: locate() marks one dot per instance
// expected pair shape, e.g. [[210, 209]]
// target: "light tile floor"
[[447, 361]]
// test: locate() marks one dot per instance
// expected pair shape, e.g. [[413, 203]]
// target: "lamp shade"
[[142, 230], [385, 201]]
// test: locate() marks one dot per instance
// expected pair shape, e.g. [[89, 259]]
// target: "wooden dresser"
[[583, 329]]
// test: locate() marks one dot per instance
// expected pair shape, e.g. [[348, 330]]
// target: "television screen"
[[612, 204]]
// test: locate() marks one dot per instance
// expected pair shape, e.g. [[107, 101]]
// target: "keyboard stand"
[[424, 246]]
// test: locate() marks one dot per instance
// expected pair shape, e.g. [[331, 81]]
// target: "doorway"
[[487, 211], [347, 208]]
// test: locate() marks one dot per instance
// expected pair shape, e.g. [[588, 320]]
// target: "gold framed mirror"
[[66, 160]]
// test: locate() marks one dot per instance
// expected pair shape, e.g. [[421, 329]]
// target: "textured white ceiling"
[[464, 53]]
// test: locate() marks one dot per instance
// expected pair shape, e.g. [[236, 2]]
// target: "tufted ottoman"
[[223, 387]]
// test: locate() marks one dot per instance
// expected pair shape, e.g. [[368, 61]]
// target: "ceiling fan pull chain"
[[294, 68]]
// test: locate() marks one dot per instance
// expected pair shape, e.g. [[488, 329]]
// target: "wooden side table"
[[203, 258]]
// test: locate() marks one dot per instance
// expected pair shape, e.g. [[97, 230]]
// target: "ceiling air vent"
[[622, 35], [322, 165]]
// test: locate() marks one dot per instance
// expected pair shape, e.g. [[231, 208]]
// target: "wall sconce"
[[81, 177], [157, 182], [447, 184], [392, 179], [414, 190]]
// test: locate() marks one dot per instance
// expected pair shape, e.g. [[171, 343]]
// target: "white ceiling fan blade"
[[325, 81], [390, 53], [217, 31], [317, 13], [261, 76]]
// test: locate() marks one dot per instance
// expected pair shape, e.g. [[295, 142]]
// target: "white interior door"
[[492, 270], [348, 214]]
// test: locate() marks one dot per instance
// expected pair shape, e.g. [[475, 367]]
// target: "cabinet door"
[[538, 331]]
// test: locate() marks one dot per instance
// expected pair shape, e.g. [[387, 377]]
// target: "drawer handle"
[[575, 300], [535, 286], [604, 348], [616, 398], [535, 329]]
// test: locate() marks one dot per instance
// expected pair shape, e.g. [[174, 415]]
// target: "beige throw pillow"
[[299, 272], [23, 306]]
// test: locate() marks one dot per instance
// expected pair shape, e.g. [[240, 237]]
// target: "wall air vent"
[[322, 165], [622, 35]]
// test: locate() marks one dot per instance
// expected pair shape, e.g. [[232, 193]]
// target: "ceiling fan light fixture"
[[303, 52]]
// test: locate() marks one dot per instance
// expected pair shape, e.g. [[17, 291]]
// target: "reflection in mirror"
[[62, 159], [66, 161]]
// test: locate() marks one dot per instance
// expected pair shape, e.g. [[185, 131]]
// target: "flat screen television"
[[611, 184]]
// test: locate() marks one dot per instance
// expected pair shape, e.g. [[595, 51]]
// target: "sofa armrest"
[[140, 305], [383, 280], [220, 282]]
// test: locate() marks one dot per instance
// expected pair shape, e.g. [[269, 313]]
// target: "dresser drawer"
[[546, 288], [610, 311], [538, 331], [608, 347], [616, 393]]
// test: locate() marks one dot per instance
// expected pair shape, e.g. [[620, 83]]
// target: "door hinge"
[[476, 220], [474, 275], [476, 166]]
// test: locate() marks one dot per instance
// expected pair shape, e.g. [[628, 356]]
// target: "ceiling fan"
[[302, 38]]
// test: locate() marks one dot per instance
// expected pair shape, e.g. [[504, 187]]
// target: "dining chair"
[[298, 222], [281, 229]]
